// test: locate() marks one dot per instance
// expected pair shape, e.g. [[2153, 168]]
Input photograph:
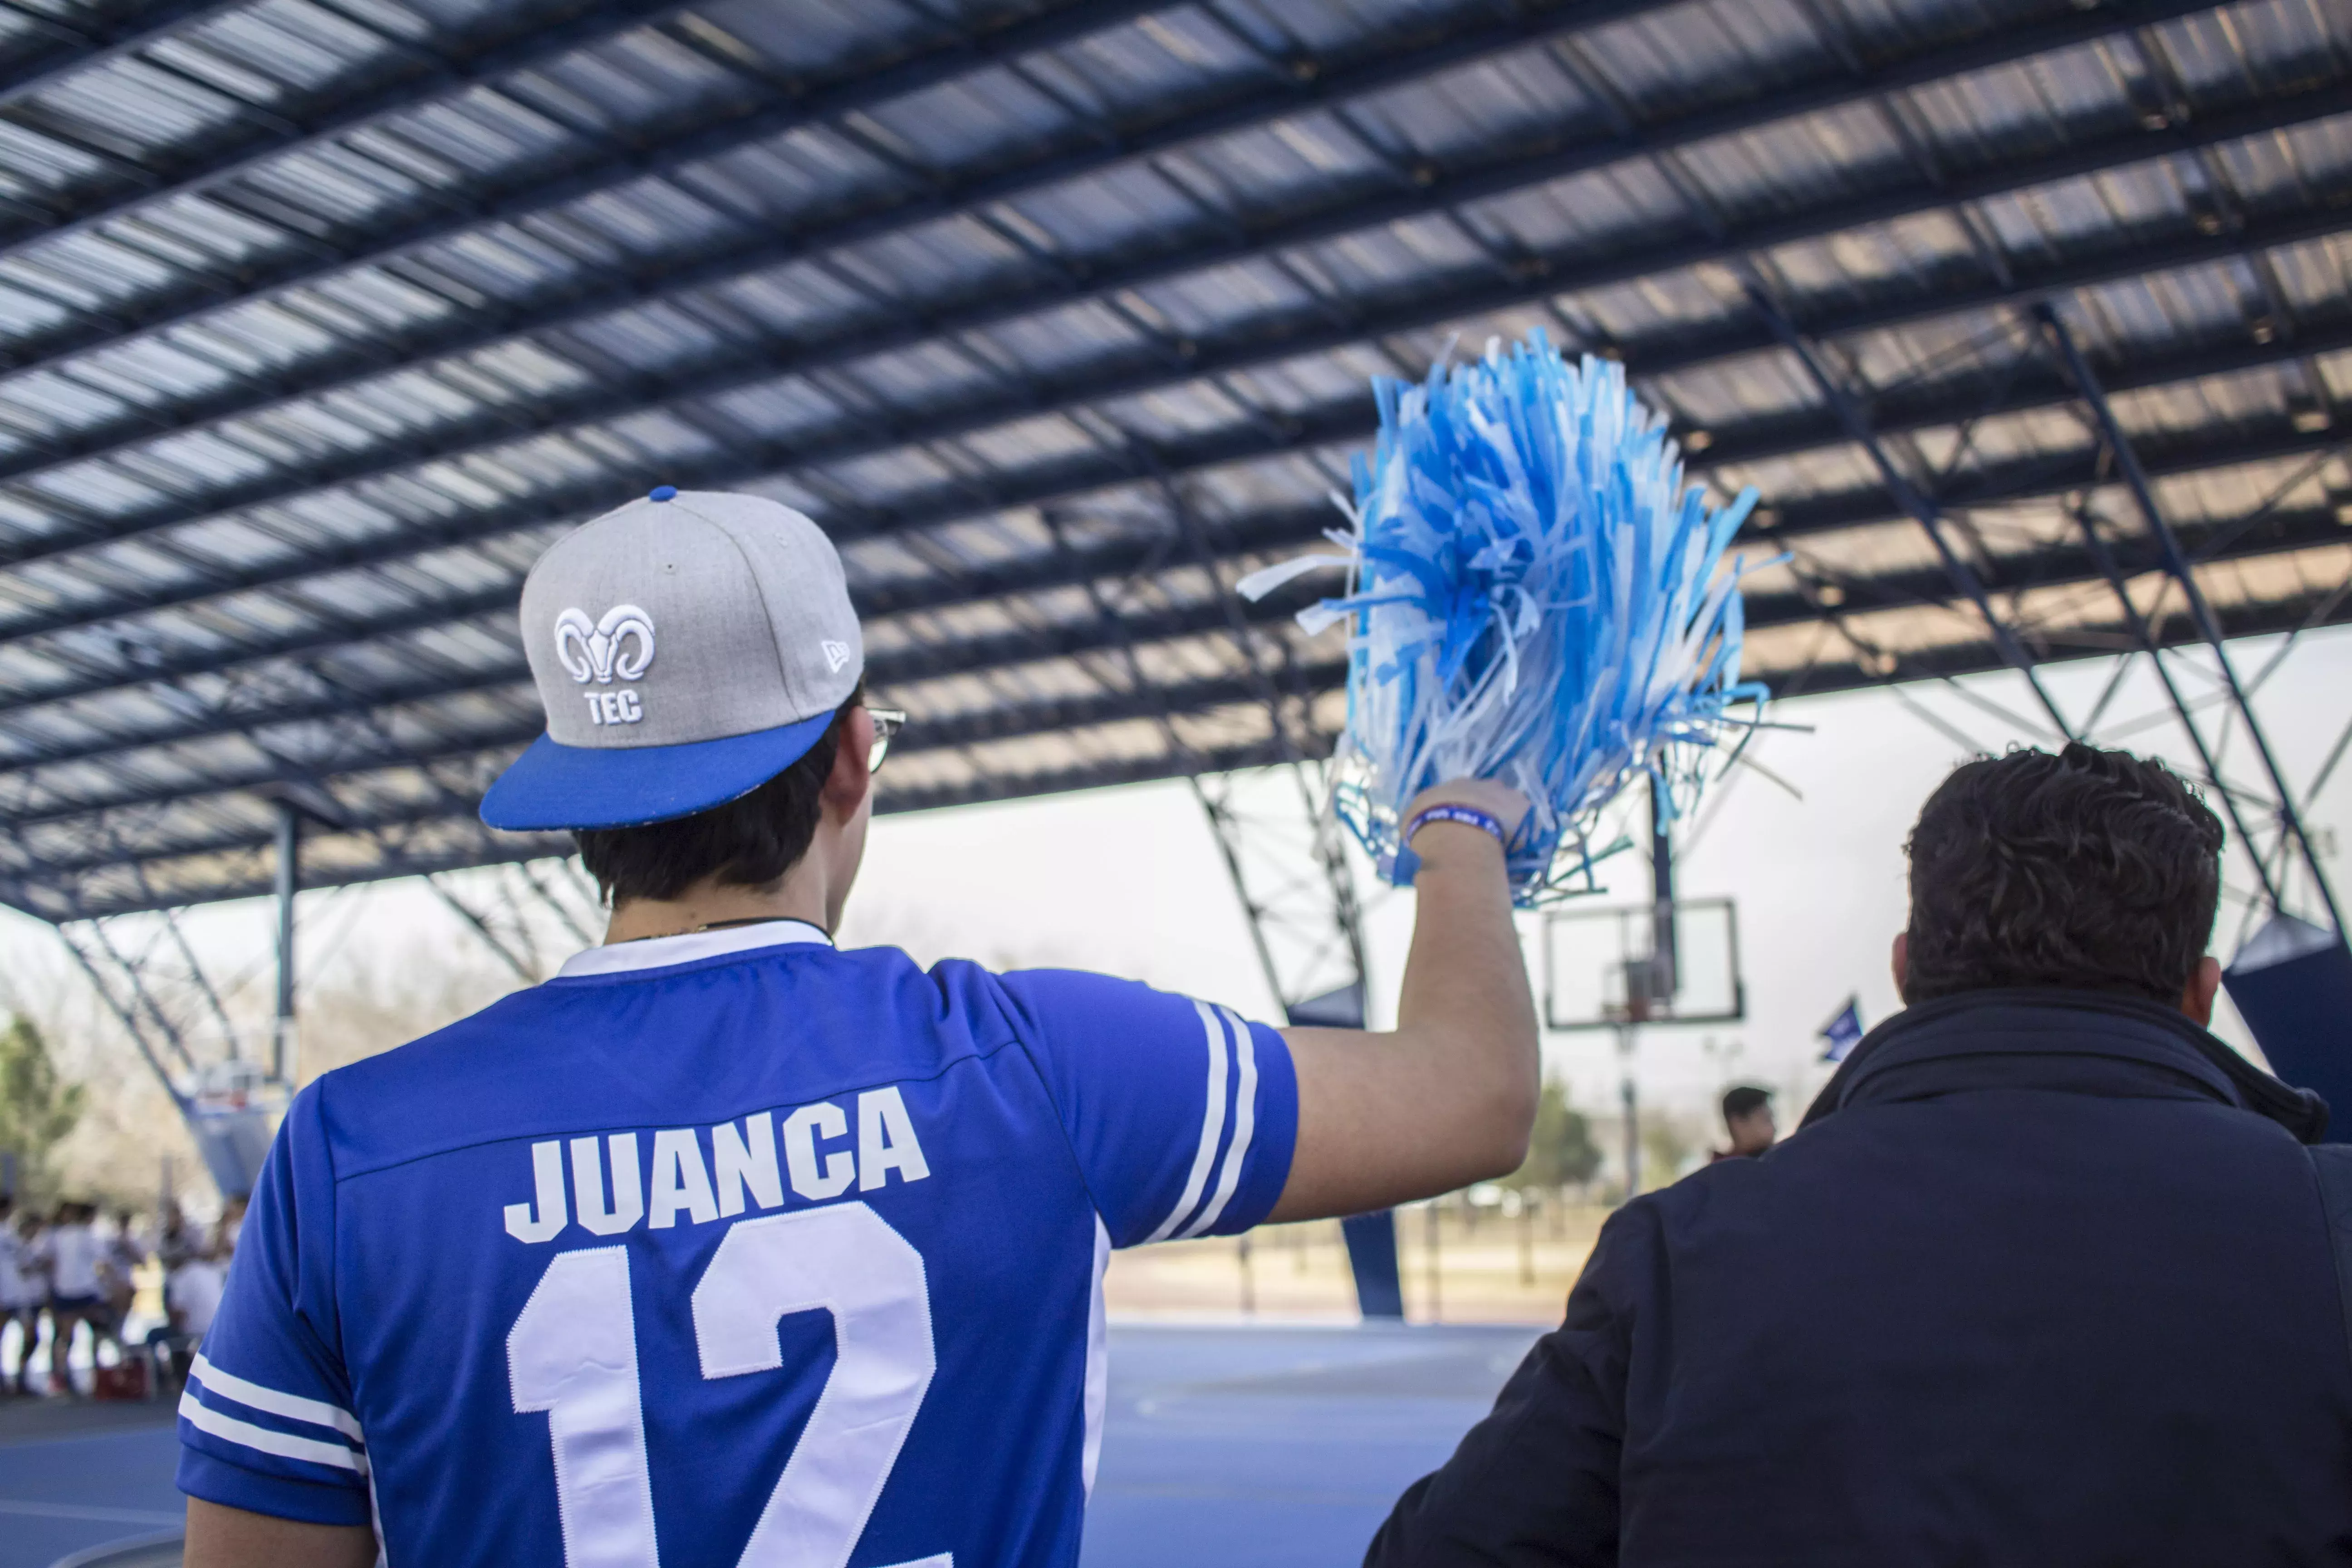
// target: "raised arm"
[[1447, 1097]]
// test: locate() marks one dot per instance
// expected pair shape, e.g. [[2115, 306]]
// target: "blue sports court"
[[1248, 1446]]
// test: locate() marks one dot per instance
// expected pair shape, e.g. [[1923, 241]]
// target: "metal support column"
[[283, 1046], [1664, 977], [1650, 982]]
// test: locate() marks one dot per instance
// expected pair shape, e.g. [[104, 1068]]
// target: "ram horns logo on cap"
[[592, 651]]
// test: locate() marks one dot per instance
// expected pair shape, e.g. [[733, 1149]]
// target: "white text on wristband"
[[1468, 815]]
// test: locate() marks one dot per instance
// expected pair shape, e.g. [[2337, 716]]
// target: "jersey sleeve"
[[1182, 1115], [266, 1424]]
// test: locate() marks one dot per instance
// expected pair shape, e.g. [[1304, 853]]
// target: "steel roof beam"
[[1894, 415], [1407, 58], [2098, 639], [274, 133], [71, 49], [1821, 678], [507, 848], [601, 22], [1011, 721], [61, 905], [500, 427], [2064, 565], [230, 837], [1103, 468]]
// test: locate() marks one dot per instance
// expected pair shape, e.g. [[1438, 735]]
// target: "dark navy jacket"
[[2041, 1278]]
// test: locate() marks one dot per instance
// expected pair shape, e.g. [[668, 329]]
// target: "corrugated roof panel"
[[1132, 207], [1527, 97], [273, 505], [1596, 212]]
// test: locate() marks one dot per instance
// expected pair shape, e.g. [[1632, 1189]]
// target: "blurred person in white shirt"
[[17, 1299], [125, 1255], [194, 1295], [191, 1295], [177, 1239], [72, 1252]]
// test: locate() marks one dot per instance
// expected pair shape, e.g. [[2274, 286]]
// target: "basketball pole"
[[285, 883], [1650, 983]]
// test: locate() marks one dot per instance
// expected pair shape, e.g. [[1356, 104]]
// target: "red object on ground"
[[126, 1381]]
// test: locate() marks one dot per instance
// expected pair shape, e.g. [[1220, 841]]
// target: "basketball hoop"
[[1602, 968]]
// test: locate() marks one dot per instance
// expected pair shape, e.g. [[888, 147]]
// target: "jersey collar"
[[665, 952]]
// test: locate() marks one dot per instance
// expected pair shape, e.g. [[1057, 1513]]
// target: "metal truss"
[[345, 739], [743, 458], [529, 40], [431, 835], [1308, 84], [1287, 867], [380, 728], [266, 690], [508, 908], [1856, 424], [113, 828], [61, 48], [2117, 557], [2286, 821], [149, 978]]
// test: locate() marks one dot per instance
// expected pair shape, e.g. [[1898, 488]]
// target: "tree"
[[1561, 1150], [37, 1108]]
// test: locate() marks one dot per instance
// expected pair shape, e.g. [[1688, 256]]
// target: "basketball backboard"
[[1603, 969]]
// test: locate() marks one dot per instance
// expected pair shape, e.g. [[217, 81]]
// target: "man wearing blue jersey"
[[726, 1246]]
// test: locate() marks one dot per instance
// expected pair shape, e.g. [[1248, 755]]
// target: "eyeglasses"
[[887, 723]]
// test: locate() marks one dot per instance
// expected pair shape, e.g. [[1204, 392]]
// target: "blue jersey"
[[724, 1248]]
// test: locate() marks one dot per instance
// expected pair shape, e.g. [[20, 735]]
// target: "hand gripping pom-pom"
[[1534, 596]]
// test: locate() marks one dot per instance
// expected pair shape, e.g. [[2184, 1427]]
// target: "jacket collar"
[[2041, 1038]]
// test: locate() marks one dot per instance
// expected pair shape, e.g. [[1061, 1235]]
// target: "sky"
[[1128, 879]]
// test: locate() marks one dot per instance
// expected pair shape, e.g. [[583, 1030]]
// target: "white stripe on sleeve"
[[293, 1406], [308, 1449], [1096, 1397], [1213, 1127], [1244, 1122]]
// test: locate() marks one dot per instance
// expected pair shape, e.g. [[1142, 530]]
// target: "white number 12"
[[573, 1354]]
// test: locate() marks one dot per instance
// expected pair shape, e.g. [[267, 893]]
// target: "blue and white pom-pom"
[[1534, 596]]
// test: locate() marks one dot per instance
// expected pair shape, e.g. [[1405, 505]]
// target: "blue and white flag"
[[1842, 1032]]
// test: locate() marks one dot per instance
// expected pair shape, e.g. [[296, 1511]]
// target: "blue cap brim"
[[552, 786]]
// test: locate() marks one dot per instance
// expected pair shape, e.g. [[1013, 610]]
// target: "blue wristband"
[[1468, 815]]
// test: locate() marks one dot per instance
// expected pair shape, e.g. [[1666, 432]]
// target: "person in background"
[[1748, 1118], [2047, 1274], [16, 1289], [192, 1296], [126, 1251], [33, 1271], [71, 1254], [227, 1230], [176, 1239]]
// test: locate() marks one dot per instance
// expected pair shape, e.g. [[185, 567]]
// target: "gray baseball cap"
[[687, 647]]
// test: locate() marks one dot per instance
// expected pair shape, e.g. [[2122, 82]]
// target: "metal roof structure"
[[319, 319]]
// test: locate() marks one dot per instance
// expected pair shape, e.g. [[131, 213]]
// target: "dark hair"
[[1742, 1101], [750, 841], [2092, 871]]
